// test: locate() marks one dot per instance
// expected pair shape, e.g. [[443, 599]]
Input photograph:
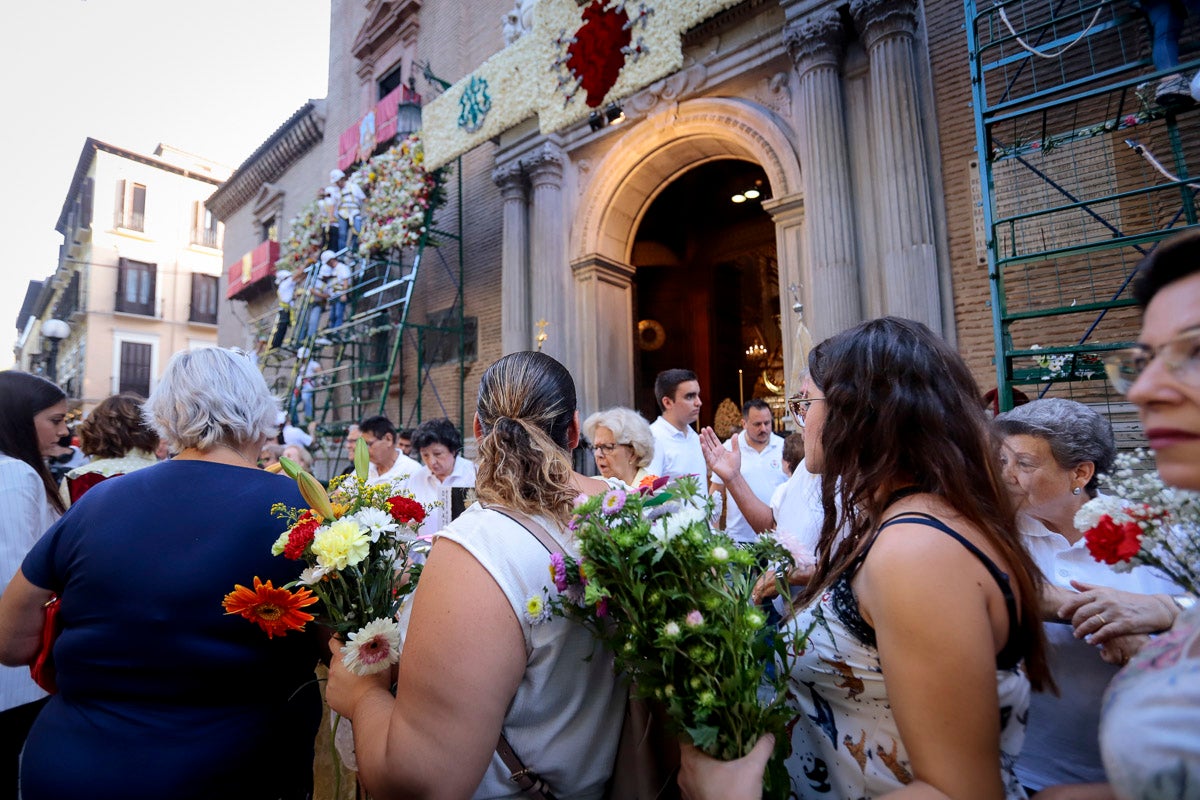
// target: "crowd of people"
[[961, 640]]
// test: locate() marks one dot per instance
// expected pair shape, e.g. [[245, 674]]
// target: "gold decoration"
[[728, 417], [651, 334]]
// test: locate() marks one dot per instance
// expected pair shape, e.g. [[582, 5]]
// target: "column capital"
[[545, 167], [510, 178], [815, 40], [882, 19], [596, 266]]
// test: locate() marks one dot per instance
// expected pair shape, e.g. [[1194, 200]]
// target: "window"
[[204, 298], [130, 208], [440, 343], [135, 287], [135, 368], [389, 82], [205, 231], [268, 231]]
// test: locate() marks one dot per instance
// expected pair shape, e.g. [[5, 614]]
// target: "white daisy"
[[373, 648]]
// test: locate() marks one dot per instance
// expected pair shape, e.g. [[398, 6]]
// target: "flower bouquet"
[[354, 542], [1144, 522], [399, 193], [671, 599]]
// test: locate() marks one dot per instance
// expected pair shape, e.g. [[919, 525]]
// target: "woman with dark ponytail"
[[32, 414], [482, 658]]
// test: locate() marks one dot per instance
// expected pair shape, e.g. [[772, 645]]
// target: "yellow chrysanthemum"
[[343, 543]]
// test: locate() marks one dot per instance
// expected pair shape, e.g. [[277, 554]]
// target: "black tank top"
[[846, 604]]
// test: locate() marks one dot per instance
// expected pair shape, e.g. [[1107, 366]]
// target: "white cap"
[[327, 256], [336, 175]]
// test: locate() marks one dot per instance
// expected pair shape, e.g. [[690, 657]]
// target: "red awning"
[[250, 269]]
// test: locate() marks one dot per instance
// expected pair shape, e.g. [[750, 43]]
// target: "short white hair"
[[628, 427], [211, 396]]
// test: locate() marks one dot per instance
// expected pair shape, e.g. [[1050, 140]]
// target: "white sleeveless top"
[[565, 719]]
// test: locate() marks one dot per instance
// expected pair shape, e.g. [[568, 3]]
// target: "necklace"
[[238, 458]]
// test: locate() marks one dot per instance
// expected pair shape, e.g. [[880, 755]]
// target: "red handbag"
[[42, 668]]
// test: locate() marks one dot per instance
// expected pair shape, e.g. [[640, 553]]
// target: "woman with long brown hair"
[[923, 633], [481, 657]]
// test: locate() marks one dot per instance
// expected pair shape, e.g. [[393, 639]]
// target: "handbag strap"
[[526, 779]]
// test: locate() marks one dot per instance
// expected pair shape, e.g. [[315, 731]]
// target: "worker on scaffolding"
[[1166, 19], [317, 289], [286, 283], [337, 275], [306, 387], [349, 198]]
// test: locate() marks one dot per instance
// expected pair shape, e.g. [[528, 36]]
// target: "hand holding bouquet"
[[354, 543], [672, 599], [1144, 522]]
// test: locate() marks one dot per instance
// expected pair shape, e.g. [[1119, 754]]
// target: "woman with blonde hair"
[[482, 658]]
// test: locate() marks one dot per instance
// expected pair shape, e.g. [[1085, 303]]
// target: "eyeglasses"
[[607, 449], [799, 407], [1181, 357]]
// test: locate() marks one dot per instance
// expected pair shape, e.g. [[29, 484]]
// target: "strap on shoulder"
[[528, 523]]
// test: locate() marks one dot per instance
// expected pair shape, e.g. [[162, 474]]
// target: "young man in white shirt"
[[676, 446], [762, 465], [388, 464]]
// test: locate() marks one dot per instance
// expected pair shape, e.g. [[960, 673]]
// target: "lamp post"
[[55, 330]]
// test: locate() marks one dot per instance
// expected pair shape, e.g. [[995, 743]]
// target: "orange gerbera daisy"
[[276, 611]]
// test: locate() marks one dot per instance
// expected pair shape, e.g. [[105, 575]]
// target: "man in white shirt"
[[762, 465], [676, 446], [388, 464]]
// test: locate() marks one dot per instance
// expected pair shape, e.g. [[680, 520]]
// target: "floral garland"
[[1022, 146], [306, 237], [543, 71], [400, 191]]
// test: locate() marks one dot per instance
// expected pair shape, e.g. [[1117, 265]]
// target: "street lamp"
[[55, 330]]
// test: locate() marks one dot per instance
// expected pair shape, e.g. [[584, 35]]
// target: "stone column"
[[603, 323], [549, 274], [794, 270], [516, 325], [910, 270], [815, 45]]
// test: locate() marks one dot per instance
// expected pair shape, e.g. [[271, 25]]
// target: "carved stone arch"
[[644, 161]]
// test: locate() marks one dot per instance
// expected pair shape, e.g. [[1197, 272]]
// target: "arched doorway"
[[623, 185], [706, 287]]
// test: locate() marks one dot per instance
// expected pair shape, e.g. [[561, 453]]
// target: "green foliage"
[[671, 599]]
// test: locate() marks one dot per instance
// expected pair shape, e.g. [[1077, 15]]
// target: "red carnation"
[[1113, 543], [300, 536], [405, 509]]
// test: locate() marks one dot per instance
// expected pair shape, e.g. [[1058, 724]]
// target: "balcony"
[[247, 274], [129, 220], [206, 237]]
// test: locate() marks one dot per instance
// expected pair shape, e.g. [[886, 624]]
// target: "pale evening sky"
[[212, 78]]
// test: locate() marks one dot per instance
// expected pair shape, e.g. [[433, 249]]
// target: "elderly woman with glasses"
[[1150, 726], [1052, 453], [622, 444]]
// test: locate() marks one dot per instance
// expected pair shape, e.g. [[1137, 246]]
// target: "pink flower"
[[602, 607], [613, 502], [694, 619], [558, 571], [1131, 120]]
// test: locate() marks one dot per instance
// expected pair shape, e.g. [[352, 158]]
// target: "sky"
[[213, 78]]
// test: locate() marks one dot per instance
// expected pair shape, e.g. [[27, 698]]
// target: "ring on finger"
[[1103, 621]]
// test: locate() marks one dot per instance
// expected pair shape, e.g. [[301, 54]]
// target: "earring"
[[1078, 489]]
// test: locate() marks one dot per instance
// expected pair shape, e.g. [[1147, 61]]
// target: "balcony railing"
[[130, 221], [206, 237], [251, 270]]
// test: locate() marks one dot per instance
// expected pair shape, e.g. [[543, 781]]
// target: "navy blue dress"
[[161, 695]]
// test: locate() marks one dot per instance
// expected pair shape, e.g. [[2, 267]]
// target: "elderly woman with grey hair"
[[1052, 452], [622, 444], [161, 694]]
